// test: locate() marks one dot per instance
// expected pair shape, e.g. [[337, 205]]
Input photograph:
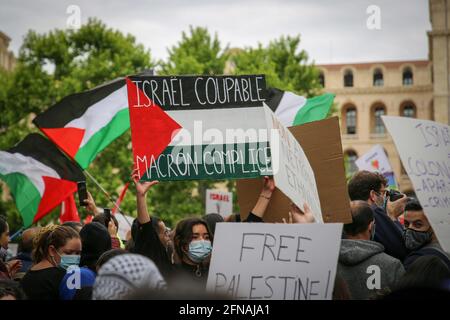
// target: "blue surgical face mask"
[[68, 260], [199, 250]]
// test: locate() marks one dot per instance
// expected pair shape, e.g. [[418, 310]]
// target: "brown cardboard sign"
[[321, 142]]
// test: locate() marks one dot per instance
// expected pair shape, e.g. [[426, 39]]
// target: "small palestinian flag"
[[69, 211], [293, 110], [39, 176], [85, 123]]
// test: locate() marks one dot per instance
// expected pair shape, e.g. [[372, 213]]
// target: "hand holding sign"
[[299, 216]]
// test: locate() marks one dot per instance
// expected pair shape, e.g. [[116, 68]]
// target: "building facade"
[[7, 60], [417, 89]]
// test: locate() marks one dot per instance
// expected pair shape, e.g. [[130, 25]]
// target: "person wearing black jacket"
[[372, 188], [149, 234]]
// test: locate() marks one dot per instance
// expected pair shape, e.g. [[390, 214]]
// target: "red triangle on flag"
[[152, 129], [69, 210], [55, 191], [68, 139]]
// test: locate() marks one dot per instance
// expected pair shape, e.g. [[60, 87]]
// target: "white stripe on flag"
[[288, 107], [209, 122], [30, 167], [100, 114]]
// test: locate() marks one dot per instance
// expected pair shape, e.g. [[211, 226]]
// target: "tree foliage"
[[61, 62]]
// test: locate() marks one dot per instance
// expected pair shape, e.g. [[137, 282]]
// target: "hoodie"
[[358, 262]]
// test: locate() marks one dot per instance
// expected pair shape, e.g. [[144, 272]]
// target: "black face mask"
[[416, 239]]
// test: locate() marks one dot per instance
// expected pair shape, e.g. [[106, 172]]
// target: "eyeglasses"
[[383, 193]]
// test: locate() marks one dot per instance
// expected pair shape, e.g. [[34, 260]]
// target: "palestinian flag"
[[69, 211], [39, 176], [293, 110], [174, 120], [83, 124]]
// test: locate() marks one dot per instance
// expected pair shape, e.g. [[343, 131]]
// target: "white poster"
[[275, 261], [375, 160], [219, 202], [424, 148], [124, 226], [292, 171]]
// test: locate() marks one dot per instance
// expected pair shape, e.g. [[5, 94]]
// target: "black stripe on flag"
[[75, 105], [273, 98], [182, 93], [43, 150]]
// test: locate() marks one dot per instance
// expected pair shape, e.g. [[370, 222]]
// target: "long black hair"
[[183, 234]]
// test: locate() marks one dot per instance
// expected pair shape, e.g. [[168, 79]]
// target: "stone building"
[[366, 91]]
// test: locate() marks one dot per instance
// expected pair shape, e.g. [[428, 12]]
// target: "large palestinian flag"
[[199, 127], [83, 124], [293, 110], [39, 176]]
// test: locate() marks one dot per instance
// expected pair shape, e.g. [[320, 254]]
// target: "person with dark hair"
[[96, 240], [56, 248], [193, 246], [25, 250], [106, 256], [211, 219], [371, 187], [419, 236], [149, 234], [108, 220], [112, 225], [74, 225], [10, 290], [427, 271], [8, 269], [359, 253]]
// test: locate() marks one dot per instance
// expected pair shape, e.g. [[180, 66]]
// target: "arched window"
[[379, 111], [378, 78], [407, 77], [350, 120], [322, 79], [350, 157], [348, 78], [409, 111]]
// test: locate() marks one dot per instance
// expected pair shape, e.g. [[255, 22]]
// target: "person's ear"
[[372, 196], [52, 251]]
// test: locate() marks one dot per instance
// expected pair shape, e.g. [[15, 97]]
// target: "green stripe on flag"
[[315, 109], [26, 195], [214, 161], [102, 138]]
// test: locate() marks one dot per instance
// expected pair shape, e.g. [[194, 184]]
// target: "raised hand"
[[141, 187]]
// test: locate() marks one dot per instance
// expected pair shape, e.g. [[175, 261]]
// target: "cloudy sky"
[[332, 31]]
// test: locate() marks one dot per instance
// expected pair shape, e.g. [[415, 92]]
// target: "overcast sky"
[[332, 31]]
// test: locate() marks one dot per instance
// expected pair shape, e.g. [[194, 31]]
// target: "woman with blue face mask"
[[56, 248], [193, 246]]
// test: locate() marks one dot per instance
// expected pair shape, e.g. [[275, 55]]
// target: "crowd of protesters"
[[83, 262]]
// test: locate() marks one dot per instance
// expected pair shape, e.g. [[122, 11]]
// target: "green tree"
[[56, 64], [285, 66], [196, 53]]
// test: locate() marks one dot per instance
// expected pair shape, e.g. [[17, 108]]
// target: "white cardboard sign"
[[375, 160], [219, 202], [424, 148], [293, 173], [275, 261]]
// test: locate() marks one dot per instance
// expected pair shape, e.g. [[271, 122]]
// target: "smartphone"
[[107, 213], [82, 193]]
